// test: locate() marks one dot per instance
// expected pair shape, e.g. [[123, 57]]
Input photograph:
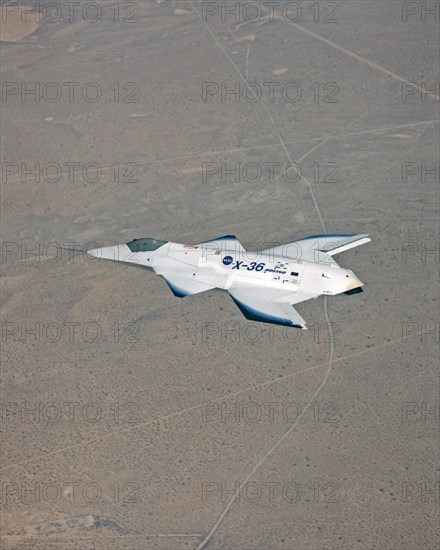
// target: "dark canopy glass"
[[145, 244]]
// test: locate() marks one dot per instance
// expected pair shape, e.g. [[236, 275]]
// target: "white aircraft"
[[265, 285]]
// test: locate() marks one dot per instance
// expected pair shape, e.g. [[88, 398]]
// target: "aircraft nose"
[[117, 253], [94, 252], [108, 252]]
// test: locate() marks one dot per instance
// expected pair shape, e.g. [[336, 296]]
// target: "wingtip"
[[302, 327]]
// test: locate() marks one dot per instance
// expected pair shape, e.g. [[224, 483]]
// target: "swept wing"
[[269, 305], [317, 248]]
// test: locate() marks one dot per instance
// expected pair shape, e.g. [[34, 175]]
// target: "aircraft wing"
[[182, 286], [269, 305], [317, 248]]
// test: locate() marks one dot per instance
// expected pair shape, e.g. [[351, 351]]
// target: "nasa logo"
[[227, 260]]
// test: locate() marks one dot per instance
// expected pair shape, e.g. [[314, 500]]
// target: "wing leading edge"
[[317, 247], [228, 243]]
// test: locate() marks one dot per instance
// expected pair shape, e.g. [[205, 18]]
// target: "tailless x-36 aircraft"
[[265, 285]]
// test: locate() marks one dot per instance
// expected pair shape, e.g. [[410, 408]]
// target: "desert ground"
[[132, 419]]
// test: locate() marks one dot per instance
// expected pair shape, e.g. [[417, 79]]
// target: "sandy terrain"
[[132, 419], [14, 24]]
